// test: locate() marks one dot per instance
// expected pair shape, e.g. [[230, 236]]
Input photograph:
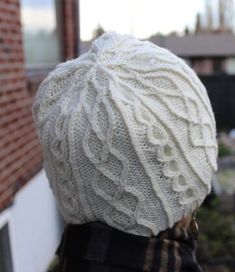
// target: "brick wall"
[[20, 156], [20, 153], [70, 28]]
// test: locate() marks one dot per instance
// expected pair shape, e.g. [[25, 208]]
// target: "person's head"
[[128, 136]]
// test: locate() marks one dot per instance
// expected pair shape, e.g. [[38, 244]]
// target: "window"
[[40, 32], [230, 66], [218, 65], [5, 250]]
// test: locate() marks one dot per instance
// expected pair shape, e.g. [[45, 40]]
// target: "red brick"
[[15, 127], [14, 142], [6, 198], [20, 158], [20, 153], [22, 172], [70, 28]]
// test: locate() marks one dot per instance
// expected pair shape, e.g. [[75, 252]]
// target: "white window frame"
[[6, 218]]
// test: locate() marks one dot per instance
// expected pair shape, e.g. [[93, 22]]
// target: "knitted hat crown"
[[128, 136]]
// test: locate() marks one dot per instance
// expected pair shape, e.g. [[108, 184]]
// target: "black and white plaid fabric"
[[96, 247]]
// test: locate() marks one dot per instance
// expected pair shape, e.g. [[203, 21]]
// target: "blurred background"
[[36, 35]]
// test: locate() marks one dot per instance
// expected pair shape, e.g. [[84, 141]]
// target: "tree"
[[98, 31], [209, 15], [198, 27], [224, 16]]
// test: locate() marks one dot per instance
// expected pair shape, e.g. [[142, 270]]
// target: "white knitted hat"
[[128, 136]]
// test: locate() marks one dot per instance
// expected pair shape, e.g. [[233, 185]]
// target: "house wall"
[[230, 66], [34, 226], [70, 28], [203, 66], [26, 202], [221, 93], [20, 155]]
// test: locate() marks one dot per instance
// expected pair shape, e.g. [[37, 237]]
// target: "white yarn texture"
[[128, 136]]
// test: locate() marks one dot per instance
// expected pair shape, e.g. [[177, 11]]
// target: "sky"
[[37, 3], [38, 14], [141, 18]]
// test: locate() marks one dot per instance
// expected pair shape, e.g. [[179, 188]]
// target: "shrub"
[[217, 234], [224, 150]]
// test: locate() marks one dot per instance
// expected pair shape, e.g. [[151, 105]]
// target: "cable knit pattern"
[[128, 136]]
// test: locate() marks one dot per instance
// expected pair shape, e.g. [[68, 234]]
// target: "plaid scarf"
[[96, 247]]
